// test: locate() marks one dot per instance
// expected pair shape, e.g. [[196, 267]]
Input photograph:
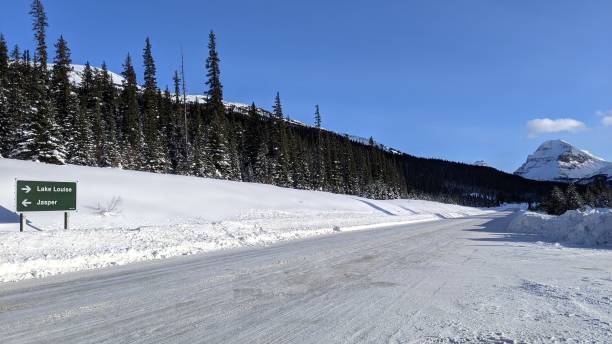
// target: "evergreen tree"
[[278, 108], [556, 204], [99, 137], [40, 27], [572, 198], [4, 60], [6, 119], [252, 137], [175, 132], [279, 154], [19, 106], [87, 88], [318, 160], [83, 148], [215, 89], [111, 151], [130, 113], [46, 144], [317, 117], [263, 167], [40, 137], [154, 150], [218, 161], [65, 99]]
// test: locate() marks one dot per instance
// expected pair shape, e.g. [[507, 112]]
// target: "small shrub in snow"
[[111, 208]]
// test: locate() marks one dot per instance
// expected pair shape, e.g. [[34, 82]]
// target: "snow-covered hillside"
[[557, 160], [76, 76], [126, 216]]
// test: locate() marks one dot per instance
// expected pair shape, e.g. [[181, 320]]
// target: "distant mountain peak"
[[481, 163], [559, 160]]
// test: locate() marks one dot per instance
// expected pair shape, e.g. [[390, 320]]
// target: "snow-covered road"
[[452, 280]]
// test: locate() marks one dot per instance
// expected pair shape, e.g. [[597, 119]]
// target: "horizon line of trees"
[[45, 117], [595, 195]]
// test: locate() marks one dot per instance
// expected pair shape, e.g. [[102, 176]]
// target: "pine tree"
[[154, 150], [65, 99], [252, 137], [42, 141], [318, 160], [6, 119], [45, 143], [111, 151], [83, 149], [215, 145], [130, 113], [263, 168], [19, 106], [556, 204], [87, 89], [215, 89], [277, 111], [175, 132], [39, 137], [572, 198], [234, 171], [40, 27], [317, 117], [279, 153], [4, 60]]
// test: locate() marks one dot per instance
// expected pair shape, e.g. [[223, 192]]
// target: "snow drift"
[[590, 227], [127, 216]]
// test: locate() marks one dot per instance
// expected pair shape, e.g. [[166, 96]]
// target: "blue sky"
[[458, 80]]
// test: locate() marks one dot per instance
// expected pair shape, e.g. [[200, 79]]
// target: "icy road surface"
[[453, 280]]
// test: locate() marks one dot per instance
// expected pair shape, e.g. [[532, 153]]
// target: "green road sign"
[[45, 196]]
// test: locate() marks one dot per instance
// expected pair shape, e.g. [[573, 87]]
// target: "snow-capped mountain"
[[481, 163], [557, 160]]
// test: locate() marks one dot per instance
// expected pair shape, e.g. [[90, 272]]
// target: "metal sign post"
[[34, 196]]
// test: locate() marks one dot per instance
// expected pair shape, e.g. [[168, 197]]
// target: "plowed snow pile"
[[589, 227], [126, 216]]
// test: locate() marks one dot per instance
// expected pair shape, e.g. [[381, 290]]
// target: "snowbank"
[[590, 227], [126, 216]]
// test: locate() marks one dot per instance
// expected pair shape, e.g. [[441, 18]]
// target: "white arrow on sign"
[[26, 203], [27, 189]]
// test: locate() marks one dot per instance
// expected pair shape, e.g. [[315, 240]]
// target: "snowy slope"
[[161, 215], [76, 76], [557, 160]]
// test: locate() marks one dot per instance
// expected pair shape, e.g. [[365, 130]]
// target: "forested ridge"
[[46, 117]]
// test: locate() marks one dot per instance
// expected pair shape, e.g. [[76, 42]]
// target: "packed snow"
[[557, 160], [449, 281], [589, 227], [127, 216]]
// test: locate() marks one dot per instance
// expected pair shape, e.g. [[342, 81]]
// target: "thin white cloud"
[[606, 117], [546, 125]]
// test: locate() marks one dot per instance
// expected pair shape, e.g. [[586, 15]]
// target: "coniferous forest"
[[46, 117]]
